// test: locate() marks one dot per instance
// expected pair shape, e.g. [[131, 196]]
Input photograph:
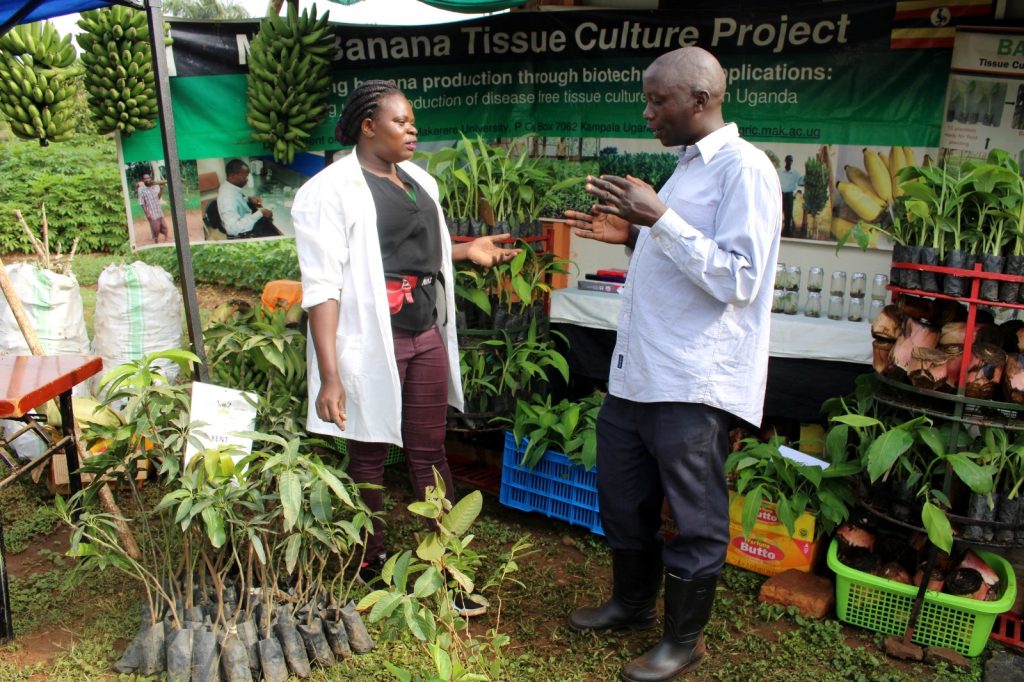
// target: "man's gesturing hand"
[[628, 198]]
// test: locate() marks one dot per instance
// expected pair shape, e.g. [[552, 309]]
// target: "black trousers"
[[676, 451], [787, 214]]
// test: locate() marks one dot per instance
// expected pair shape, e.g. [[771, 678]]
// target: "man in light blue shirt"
[[242, 216], [691, 354]]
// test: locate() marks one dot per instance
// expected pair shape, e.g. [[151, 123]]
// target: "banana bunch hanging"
[[119, 74], [36, 94], [289, 80]]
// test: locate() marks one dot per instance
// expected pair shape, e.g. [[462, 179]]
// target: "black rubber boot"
[[687, 611], [636, 579]]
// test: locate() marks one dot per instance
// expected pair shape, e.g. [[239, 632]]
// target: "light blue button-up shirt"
[[233, 206], [696, 309]]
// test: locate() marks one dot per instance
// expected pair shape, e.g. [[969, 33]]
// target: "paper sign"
[[219, 414], [801, 458]]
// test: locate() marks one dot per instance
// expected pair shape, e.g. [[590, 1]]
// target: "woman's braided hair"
[[361, 105]]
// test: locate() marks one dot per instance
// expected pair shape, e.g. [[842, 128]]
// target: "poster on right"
[[985, 98]]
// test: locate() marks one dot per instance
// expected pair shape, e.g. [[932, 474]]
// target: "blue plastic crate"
[[556, 487]]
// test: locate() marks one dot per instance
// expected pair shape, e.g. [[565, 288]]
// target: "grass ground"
[[72, 625]]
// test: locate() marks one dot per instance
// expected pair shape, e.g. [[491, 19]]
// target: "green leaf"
[[442, 662], [429, 582], [370, 599], [934, 439], [978, 478], [385, 606], [413, 621], [320, 502], [856, 420], [430, 548], [885, 450], [400, 674], [836, 442], [424, 509], [214, 526], [337, 487], [936, 523], [464, 581], [751, 507], [291, 551], [291, 497], [464, 513]]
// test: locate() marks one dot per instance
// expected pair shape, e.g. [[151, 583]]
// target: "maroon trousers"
[[423, 374]]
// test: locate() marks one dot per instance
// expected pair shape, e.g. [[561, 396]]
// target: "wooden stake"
[[46, 237], [37, 246]]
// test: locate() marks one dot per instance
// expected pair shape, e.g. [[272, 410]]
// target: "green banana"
[[288, 79], [117, 40]]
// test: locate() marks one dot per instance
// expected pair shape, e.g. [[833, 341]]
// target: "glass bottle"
[[815, 278], [780, 275], [793, 277], [812, 308], [876, 307], [778, 300], [858, 284], [838, 285], [791, 302], [835, 307], [856, 313], [878, 287]]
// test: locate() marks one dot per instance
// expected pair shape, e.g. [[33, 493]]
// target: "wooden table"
[[26, 382], [810, 359]]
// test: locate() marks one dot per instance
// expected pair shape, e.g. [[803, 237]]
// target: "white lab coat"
[[339, 256]]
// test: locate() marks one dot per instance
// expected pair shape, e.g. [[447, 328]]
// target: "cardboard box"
[[770, 550], [59, 483]]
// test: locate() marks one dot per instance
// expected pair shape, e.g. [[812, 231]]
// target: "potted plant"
[[238, 539], [522, 365], [761, 474], [550, 457], [568, 427], [938, 200]]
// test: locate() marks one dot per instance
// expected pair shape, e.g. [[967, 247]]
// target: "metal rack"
[[957, 407]]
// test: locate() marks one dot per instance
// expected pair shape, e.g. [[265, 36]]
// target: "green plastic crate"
[[395, 454], [958, 623]]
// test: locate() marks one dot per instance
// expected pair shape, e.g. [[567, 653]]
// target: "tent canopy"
[[473, 6], [43, 9]]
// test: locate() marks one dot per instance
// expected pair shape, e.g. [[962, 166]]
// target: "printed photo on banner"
[[226, 199]]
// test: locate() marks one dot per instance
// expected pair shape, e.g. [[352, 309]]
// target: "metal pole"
[[6, 622], [155, 18]]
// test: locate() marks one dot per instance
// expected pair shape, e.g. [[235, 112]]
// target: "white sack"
[[138, 311]]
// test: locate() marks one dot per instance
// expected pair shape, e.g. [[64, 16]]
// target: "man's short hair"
[[789, 157], [235, 166]]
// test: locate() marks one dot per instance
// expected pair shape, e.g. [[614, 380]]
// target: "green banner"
[[814, 73]]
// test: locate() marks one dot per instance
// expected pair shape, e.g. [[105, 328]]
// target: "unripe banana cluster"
[[119, 69], [869, 190], [36, 94], [289, 80]]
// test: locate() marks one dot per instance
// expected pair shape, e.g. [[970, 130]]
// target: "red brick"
[[813, 595], [934, 654], [897, 648]]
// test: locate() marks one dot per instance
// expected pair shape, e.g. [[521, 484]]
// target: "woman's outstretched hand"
[[487, 252]]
